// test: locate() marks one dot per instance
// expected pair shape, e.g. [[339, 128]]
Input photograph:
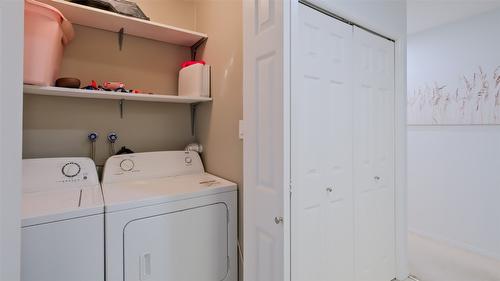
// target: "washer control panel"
[[74, 171], [71, 169], [51, 173]]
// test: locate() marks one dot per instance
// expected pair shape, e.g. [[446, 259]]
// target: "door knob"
[[376, 178], [278, 220], [329, 189]]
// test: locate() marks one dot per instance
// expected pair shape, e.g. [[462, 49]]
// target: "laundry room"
[[118, 94], [203, 140], [249, 140]]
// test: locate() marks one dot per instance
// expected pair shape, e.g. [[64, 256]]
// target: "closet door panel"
[[305, 160], [374, 157], [322, 217], [384, 114]]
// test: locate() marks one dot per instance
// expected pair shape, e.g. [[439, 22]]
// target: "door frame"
[[402, 270]]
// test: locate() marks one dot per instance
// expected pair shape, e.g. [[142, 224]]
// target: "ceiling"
[[423, 15]]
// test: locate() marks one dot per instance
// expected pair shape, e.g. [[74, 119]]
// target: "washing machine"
[[62, 234], [167, 219]]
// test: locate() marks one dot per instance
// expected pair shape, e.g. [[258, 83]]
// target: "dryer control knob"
[[71, 169], [127, 165]]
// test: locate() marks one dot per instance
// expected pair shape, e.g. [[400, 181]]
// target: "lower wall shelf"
[[90, 94]]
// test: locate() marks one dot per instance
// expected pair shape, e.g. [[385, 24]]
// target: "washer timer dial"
[[71, 169], [127, 165]]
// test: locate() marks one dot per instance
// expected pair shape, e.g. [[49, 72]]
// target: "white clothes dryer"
[[167, 219]]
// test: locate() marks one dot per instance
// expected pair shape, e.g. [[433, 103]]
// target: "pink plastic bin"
[[46, 32]]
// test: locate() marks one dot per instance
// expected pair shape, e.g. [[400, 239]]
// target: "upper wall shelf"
[[101, 19], [79, 93]]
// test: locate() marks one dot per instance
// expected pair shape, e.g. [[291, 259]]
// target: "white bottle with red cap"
[[194, 79]]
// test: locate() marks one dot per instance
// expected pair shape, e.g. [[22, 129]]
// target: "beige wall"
[[179, 13], [150, 66], [217, 123], [55, 126]]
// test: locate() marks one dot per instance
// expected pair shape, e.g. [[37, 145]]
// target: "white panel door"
[[321, 155], [374, 157], [265, 185]]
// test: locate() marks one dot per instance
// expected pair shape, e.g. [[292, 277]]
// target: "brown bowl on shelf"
[[67, 82]]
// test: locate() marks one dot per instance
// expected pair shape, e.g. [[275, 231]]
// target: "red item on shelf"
[[191, 62], [113, 85]]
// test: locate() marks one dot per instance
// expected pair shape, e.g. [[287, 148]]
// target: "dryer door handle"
[[145, 266]]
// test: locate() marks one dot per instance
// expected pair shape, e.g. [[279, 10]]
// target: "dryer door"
[[185, 245]]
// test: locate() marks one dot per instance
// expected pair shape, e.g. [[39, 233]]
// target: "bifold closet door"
[[342, 153], [374, 203], [322, 197]]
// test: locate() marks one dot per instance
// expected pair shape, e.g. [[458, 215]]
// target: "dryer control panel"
[[54, 173], [147, 165]]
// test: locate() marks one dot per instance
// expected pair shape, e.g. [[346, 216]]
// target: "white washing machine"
[[62, 235], [166, 219]]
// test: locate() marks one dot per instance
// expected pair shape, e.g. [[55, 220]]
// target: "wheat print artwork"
[[475, 101]]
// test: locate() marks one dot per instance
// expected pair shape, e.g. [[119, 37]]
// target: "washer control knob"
[[127, 165], [71, 169], [188, 160]]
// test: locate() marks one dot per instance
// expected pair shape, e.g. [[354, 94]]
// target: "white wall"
[[424, 15], [441, 58], [454, 185], [11, 40], [453, 171]]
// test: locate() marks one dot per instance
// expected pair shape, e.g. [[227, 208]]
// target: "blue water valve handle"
[[93, 136], [112, 137]]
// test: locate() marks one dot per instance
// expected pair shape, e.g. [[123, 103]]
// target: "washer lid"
[[127, 195], [60, 204]]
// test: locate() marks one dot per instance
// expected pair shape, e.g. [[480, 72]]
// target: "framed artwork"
[[473, 100]]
